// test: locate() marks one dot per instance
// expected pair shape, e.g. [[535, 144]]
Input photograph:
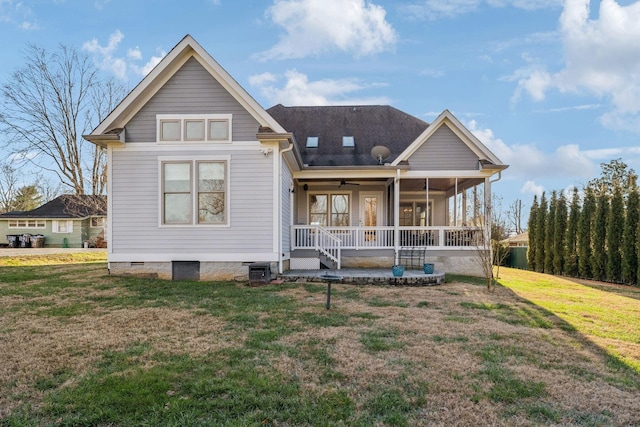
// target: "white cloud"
[[299, 90], [18, 14], [602, 58], [134, 53], [436, 9], [120, 66], [100, 4], [262, 79], [527, 161], [313, 27], [530, 187]]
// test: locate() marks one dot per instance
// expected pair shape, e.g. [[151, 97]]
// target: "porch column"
[[396, 215]]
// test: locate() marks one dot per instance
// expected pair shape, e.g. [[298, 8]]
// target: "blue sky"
[[552, 87]]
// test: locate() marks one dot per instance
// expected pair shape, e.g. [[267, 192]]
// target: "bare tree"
[[8, 187], [514, 215], [490, 248], [48, 104]]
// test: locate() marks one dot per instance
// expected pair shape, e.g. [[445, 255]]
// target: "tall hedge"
[[571, 258], [531, 225], [630, 236], [540, 232], [549, 243], [585, 234], [599, 229]]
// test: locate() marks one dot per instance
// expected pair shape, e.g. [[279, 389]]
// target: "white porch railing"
[[313, 237], [324, 241]]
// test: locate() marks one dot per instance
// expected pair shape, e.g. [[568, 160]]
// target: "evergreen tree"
[[599, 252], [531, 227], [630, 236], [571, 264], [27, 198], [615, 229], [560, 234], [585, 233], [549, 243], [540, 232]]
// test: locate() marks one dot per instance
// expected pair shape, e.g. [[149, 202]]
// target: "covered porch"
[[364, 222]]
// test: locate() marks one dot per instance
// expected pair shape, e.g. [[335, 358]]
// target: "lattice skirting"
[[304, 264]]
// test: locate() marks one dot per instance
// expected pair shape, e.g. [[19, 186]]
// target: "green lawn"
[[80, 347]]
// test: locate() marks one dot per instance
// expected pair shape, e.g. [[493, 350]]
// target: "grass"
[[80, 347]]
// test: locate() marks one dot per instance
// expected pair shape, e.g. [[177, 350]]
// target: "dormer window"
[[312, 142], [347, 141]]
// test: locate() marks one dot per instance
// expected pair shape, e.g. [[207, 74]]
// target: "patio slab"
[[367, 276]]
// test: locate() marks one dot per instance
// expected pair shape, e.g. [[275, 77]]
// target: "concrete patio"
[[366, 276]]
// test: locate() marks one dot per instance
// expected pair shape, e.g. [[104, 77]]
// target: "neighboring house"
[[66, 221], [518, 241], [203, 180]]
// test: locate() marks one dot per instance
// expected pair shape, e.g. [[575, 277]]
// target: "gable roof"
[[487, 159], [369, 125], [66, 206], [110, 128]]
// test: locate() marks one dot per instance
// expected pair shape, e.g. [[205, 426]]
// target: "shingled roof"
[[66, 206], [369, 125]]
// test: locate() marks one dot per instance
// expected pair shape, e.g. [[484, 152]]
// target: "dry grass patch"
[[225, 354]]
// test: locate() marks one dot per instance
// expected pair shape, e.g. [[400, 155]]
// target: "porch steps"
[[326, 262]]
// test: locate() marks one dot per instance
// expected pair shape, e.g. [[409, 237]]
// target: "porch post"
[[396, 215], [426, 186]]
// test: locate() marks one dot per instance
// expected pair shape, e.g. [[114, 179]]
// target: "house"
[[66, 221], [203, 181], [517, 241]]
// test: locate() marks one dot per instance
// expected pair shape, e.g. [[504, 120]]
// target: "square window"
[[194, 130], [170, 130], [97, 221], [347, 141], [218, 130], [312, 142]]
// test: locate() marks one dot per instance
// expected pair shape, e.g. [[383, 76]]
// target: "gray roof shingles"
[[370, 125], [66, 206]]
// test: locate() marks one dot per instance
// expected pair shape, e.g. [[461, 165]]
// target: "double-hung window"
[[194, 192], [329, 209], [62, 226]]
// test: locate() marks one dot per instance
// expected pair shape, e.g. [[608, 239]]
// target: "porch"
[[368, 223]]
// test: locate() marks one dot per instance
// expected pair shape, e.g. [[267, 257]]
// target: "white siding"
[[191, 90], [444, 151], [135, 200]]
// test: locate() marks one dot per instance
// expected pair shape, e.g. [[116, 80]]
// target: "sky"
[[551, 87]]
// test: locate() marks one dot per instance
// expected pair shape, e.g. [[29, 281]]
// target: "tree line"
[[593, 234]]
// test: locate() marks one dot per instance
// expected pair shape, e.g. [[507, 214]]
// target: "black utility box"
[[259, 273]]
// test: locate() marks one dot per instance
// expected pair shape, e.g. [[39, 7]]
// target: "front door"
[[371, 216]]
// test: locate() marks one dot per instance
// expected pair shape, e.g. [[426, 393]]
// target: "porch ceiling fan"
[[344, 183]]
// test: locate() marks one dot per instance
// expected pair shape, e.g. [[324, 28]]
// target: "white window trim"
[[329, 194], [30, 223], [104, 221], [55, 226], [194, 191], [183, 118]]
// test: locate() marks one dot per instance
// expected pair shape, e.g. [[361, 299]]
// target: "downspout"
[[280, 254]]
